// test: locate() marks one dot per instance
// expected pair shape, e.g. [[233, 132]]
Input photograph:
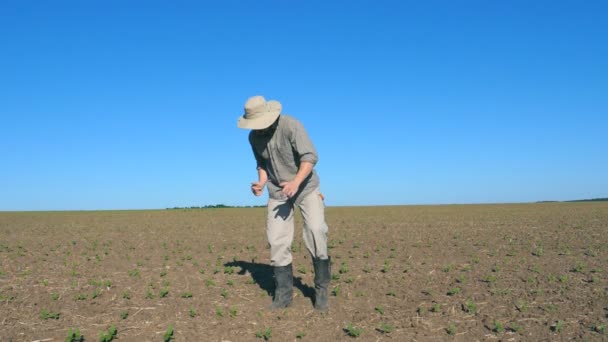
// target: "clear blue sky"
[[133, 104]]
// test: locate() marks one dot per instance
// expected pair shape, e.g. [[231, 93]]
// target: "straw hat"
[[259, 113]]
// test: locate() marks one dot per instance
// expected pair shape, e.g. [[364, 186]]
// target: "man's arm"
[[258, 187]]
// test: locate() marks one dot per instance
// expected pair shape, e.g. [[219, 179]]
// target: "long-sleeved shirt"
[[280, 155]]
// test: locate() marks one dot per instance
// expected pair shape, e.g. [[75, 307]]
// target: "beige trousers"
[[280, 227]]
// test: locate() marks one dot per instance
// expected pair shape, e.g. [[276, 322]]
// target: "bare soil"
[[520, 272]]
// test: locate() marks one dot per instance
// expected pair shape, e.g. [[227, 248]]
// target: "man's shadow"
[[262, 274]]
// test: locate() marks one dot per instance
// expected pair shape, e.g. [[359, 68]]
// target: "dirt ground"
[[519, 272]]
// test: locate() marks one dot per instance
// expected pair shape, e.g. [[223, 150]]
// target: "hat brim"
[[264, 121]]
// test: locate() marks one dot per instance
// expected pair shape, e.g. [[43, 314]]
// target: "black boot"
[[283, 279], [322, 277]]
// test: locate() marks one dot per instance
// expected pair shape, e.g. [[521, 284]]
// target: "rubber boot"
[[322, 278], [283, 293]]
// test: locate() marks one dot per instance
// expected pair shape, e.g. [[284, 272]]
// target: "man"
[[285, 159]]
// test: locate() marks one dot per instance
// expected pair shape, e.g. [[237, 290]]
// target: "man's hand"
[[257, 188], [290, 188]]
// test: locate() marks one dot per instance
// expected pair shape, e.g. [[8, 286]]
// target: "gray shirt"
[[281, 153]]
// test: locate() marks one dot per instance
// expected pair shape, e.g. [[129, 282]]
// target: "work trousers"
[[280, 227]]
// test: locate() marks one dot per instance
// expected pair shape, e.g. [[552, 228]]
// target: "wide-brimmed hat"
[[259, 113]]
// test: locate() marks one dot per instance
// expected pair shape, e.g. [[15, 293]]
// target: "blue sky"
[[133, 104]]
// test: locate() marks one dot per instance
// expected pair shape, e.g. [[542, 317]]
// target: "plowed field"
[[529, 272]]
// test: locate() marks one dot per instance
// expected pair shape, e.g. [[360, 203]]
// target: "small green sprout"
[[352, 331], [265, 334]]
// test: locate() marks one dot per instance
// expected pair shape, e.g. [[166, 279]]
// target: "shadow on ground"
[[263, 276]]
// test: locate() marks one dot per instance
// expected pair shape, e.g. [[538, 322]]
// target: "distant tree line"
[[604, 199], [218, 206], [591, 200]]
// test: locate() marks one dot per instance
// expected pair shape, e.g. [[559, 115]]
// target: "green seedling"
[[454, 291], [95, 294], [591, 252], [163, 292], [186, 295], [436, 307], [490, 278], [168, 334], [498, 327], [229, 269], [391, 293], [49, 315], [600, 328], [447, 268], [300, 335], [265, 334], [500, 292], [557, 326], [336, 291], [352, 331], [379, 309], [224, 293], [551, 307], [420, 311], [301, 269], [385, 328], [108, 336], [219, 312], [149, 294], [192, 312], [126, 295], [54, 296], [74, 336], [521, 306], [516, 328], [124, 314], [232, 312], [343, 269], [451, 330], [578, 268], [386, 267]]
